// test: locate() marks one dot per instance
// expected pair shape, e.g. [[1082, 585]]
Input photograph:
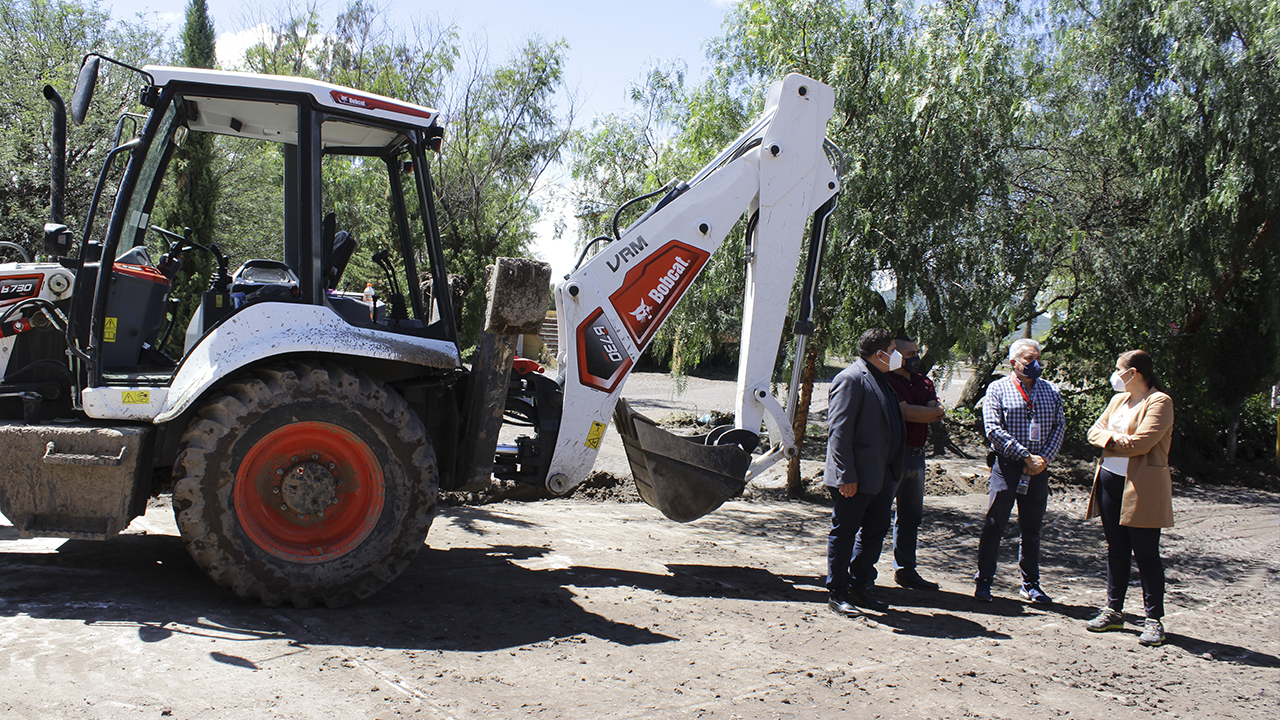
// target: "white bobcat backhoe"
[[307, 430]]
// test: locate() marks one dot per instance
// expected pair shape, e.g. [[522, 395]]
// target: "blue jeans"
[[1031, 509], [858, 527], [908, 513]]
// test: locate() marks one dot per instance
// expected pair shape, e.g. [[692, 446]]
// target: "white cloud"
[[230, 47]]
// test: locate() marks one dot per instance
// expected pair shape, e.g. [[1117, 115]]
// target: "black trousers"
[[858, 527], [1142, 544]]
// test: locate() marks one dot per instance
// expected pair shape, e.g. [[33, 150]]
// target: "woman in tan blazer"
[[1132, 490]]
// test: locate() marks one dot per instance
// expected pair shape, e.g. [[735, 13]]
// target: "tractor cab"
[[298, 148]]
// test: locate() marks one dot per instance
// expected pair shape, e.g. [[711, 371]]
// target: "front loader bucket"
[[683, 479]]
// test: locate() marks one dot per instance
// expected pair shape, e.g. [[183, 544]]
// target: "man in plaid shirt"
[[1023, 418]]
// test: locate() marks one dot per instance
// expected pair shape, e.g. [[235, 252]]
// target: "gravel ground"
[[592, 608]]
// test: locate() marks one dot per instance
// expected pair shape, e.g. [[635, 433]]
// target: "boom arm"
[[610, 308]]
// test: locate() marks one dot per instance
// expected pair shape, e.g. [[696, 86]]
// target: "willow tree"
[[1179, 97], [503, 127]]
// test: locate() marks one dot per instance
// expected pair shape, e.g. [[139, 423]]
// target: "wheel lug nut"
[[332, 466], [333, 500], [283, 506], [294, 458], [276, 490], [320, 513], [315, 456], [279, 471]]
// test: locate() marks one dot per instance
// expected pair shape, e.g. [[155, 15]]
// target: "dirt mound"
[[600, 486]]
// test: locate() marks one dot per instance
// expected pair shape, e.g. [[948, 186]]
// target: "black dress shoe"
[[909, 578], [862, 596], [840, 605]]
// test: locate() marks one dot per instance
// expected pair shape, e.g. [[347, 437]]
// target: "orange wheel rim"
[[309, 492]]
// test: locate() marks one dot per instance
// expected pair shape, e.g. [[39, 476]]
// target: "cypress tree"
[[194, 194]]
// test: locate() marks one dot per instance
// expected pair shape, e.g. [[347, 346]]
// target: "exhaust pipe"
[[57, 156]]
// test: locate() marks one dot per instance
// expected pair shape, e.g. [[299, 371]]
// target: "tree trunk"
[[795, 483], [1233, 430], [977, 385]]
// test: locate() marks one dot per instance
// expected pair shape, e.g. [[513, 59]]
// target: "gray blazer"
[[860, 418]]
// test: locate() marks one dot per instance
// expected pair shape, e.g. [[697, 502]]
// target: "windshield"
[[138, 216]]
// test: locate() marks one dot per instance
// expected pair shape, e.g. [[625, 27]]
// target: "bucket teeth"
[[684, 480]]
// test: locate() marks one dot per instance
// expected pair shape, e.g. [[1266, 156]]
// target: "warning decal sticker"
[[594, 437]]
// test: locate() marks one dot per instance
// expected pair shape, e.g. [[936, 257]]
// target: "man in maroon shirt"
[[920, 406]]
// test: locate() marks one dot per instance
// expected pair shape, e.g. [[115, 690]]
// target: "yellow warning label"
[[109, 330], [593, 437], [136, 397]]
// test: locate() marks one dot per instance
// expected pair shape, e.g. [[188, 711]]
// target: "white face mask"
[[1117, 381], [895, 360]]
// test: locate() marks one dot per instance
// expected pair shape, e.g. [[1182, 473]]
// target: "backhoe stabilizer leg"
[[681, 478]]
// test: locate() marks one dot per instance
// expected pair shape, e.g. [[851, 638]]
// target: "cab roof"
[[265, 120]]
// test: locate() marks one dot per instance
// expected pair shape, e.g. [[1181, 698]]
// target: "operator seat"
[[340, 253], [338, 249]]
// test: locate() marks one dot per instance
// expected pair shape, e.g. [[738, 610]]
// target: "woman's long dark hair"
[[1141, 361]]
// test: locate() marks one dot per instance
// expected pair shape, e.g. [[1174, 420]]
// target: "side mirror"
[[85, 85], [57, 239]]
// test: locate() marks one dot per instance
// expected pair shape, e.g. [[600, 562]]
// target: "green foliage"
[[1082, 409], [1110, 163], [191, 198], [502, 132], [250, 219], [1258, 428], [927, 115], [42, 42], [1173, 111]]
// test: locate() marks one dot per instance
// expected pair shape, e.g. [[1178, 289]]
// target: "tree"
[[1108, 163], [193, 201], [503, 132], [502, 128], [42, 42], [1180, 98]]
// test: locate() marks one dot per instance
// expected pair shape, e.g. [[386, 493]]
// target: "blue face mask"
[[1032, 369]]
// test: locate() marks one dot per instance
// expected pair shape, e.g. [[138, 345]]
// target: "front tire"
[[305, 483]]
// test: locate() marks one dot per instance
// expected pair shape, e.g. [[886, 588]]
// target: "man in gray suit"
[[865, 455]]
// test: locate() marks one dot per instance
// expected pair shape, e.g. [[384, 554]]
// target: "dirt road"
[[578, 609]]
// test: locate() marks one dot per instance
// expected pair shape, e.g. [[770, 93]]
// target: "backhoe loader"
[[306, 431]]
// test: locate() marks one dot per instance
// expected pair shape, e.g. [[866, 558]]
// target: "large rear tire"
[[305, 484]]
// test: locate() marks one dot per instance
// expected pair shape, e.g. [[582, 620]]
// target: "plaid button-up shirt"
[[1007, 419]]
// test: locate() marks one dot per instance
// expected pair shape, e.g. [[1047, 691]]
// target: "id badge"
[[1033, 432]]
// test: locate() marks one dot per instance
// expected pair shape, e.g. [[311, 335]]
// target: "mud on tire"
[[305, 483]]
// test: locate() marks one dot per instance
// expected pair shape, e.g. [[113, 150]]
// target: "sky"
[[609, 44]]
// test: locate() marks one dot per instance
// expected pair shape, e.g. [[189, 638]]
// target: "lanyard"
[[1031, 407]]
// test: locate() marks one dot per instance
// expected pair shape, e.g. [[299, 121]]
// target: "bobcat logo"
[[643, 312]]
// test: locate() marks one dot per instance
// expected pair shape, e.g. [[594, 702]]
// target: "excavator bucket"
[[679, 476]]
